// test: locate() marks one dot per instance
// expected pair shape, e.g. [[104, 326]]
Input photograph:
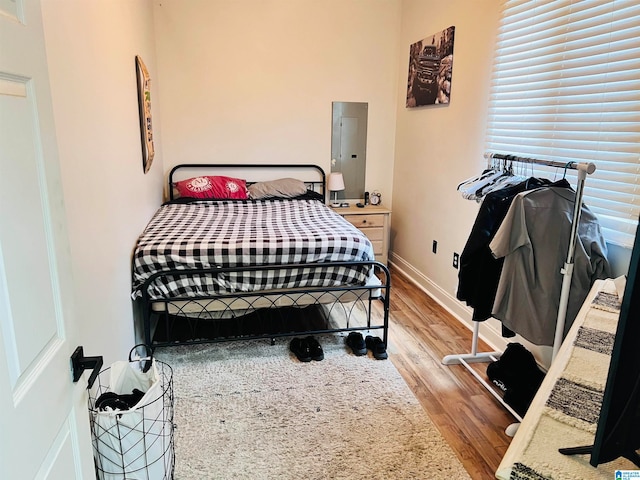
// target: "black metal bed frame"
[[243, 315], [320, 183]]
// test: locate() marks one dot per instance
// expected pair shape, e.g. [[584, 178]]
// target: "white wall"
[[91, 48], [437, 147], [251, 81]]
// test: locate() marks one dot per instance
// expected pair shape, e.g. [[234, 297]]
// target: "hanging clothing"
[[533, 239], [479, 271]]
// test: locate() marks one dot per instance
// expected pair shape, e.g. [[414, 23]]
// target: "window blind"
[[566, 87]]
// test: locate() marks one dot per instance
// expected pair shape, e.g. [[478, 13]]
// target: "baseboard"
[[488, 332]]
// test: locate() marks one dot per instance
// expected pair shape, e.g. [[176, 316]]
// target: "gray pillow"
[[283, 188]]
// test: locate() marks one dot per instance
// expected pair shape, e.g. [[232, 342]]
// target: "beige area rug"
[[250, 410]]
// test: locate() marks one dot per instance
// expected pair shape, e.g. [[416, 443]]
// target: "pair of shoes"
[[307, 349], [377, 347], [356, 343]]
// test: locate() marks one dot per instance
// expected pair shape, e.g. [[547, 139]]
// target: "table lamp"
[[335, 184]]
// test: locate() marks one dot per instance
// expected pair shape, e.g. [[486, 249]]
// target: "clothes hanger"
[[476, 178], [469, 191], [569, 164], [491, 168]]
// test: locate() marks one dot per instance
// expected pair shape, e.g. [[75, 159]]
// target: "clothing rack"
[[465, 359]]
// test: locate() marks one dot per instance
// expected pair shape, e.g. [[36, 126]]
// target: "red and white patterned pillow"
[[212, 187]]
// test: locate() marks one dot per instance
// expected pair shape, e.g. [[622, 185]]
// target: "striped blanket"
[[565, 411]]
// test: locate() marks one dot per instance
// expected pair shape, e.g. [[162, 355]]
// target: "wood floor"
[[421, 333]]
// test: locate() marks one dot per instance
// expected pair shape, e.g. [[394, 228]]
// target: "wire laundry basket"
[[134, 444]]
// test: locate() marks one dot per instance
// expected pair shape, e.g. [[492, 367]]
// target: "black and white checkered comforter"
[[232, 234]]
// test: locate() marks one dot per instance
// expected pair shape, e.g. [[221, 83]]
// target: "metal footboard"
[[309, 310]]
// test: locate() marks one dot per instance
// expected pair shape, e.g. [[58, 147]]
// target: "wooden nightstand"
[[374, 222]]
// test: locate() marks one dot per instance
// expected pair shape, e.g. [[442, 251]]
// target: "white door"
[[44, 426]]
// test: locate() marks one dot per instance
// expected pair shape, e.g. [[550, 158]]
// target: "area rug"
[[567, 416], [251, 410]]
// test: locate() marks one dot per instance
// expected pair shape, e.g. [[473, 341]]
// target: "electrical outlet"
[[434, 248], [456, 260]]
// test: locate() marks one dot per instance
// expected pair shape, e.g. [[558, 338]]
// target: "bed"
[[264, 258]]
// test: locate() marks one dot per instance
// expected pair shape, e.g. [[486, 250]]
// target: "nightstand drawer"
[[362, 221], [373, 221], [378, 247], [375, 234]]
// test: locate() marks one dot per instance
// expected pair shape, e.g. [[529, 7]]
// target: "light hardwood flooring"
[[472, 421]]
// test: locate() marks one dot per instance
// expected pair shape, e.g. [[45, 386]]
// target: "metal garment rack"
[[466, 359]]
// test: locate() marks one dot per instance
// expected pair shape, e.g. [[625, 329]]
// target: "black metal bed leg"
[[273, 341], [146, 317], [385, 330]]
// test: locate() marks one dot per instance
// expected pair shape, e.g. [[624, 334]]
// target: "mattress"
[[232, 234]]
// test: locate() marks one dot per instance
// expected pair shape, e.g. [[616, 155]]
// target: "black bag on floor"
[[517, 374]]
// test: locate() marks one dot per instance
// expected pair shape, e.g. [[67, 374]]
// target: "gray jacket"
[[534, 239]]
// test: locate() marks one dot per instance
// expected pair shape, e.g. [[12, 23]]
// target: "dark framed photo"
[[430, 70], [144, 109]]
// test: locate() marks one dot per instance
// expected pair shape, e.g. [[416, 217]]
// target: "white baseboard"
[[488, 332]]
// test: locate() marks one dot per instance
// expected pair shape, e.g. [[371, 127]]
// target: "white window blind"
[[566, 87]]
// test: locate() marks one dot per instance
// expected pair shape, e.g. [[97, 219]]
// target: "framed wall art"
[[144, 109], [430, 69]]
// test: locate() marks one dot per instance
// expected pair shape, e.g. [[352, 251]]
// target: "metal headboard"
[[258, 170]]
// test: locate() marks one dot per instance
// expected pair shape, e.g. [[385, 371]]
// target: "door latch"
[[80, 363]]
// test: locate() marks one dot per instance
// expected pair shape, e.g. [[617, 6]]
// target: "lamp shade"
[[335, 182]]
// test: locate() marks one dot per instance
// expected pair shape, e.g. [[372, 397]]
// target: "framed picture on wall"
[[144, 108], [430, 69]]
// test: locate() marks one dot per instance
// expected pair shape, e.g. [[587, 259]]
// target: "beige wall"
[[235, 81], [437, 147], [91, 48], [252, 81]]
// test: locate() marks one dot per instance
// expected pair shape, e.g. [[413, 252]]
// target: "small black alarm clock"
[[375, 198]]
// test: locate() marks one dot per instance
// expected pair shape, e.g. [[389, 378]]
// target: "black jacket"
[[479, 272]]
